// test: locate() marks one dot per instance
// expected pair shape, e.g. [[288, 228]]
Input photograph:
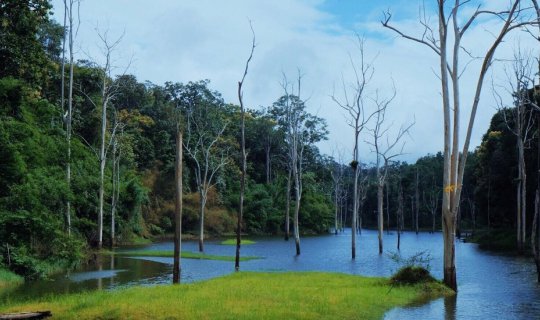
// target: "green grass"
[[244, 295], [185, 254], [232, 242], [8, 278]]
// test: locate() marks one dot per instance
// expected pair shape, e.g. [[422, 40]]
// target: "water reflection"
[[450, 307], [491, 286]]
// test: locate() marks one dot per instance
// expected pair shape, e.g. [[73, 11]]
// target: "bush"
[[411, 275]]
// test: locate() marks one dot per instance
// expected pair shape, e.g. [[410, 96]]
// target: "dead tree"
[[178, 168], [108, 91], [68, 117], [337, 173], [386, 149], [399, 213], [353, 103], [244, 155], [416, 201], [115, 192], [448, 48], [204, 129], [521, 125]]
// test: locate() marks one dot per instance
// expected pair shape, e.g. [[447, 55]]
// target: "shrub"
[[411, 275]]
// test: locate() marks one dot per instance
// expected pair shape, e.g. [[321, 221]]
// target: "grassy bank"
[[244, 295], [8, 278], [185, 255], [232, 242]]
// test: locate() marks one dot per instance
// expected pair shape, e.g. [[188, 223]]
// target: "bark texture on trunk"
[[177, 265], [380, 215], [288, 206], [201, 221]]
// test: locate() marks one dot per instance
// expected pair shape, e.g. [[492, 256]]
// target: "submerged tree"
[[520, 123], [203, 143], [301, 130], [447, 45], [353, 103], [385, 149], [243, 155], [178, 168]]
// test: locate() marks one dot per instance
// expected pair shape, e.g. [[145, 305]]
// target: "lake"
[[490, 285]]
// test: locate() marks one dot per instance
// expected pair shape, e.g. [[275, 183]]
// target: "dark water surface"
[[491, 286]]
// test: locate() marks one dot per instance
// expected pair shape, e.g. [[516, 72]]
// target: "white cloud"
[[190, 40]]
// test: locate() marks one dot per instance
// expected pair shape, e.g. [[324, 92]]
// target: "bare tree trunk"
[[115, 190], [417, 201], [399, 215], [336, 195], [244, 158], [454, 159], [355, 205], [288, 205], [298, 197], [177, 265], [522, 195], [535, 235], [102, 161], [70, 111], [202, 205], [387, 208], [380, 220]]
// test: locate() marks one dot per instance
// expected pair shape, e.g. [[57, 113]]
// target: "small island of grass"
[[245, 295], [232, 242], [185, 255]]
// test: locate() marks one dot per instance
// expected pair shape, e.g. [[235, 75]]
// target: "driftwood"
[[26, 315]]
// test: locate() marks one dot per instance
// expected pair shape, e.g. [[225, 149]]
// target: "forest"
[[88, 159], [140, 126]]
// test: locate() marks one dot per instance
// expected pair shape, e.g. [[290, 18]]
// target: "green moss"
[[243, 295], [232, 242], [8, 278], [185, 254]]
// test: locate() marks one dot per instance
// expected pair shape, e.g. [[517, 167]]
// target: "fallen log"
[[26, 315]]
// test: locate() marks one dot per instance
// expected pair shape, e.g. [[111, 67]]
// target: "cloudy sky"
[[189, 40]]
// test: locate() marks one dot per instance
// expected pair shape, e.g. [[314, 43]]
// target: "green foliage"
[[21, 50], [411, 275]]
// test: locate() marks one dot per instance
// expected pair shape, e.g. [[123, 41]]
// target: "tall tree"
[[72, 31], [178, 168], [337, 179], [353, 102], [301, 130], [109, 89], [203, 143], [386, 149], [244, 155], [520, 124], [448, 48]]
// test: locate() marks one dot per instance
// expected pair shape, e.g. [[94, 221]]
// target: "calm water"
[[490, 285]]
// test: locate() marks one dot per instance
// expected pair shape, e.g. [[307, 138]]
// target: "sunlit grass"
[[185, 254], [8, 278], [244, 295], [232, 242]]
